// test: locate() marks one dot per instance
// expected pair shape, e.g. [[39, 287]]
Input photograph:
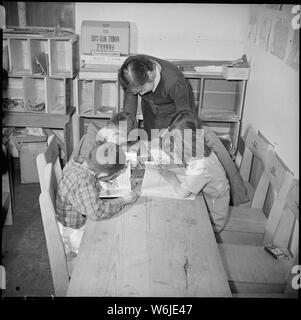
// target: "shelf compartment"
[[34, 93], [99, 98], [19, 56], [14, 92], [39, 49], [58, 95], [219, 116], [63, 58], [224, 97]]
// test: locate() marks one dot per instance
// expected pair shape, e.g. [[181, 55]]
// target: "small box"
[[277, 252], [105, 36], [236, 73], [237, 70], [29, 147]]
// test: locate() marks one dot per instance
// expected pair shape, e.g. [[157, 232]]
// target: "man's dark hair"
[[133, 72]]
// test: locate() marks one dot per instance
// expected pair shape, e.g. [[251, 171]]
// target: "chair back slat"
[[276, 171], [51, 155], [253, 163], [293, 198], [257, 144], [294, 241], [41, 164], [281, 180], [55, 246], [284, 229]]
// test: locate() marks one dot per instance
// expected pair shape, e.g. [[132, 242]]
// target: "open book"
[[155, 185], [117, 187]]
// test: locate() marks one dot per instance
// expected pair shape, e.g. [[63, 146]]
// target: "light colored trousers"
[[71, 237], [218, 209]]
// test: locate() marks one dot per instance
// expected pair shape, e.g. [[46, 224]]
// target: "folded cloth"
[[238, 191]]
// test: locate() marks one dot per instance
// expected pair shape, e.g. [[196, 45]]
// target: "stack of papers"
[[154, 185]]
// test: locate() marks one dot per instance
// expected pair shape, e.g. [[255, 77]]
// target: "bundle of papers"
[[155, 185]]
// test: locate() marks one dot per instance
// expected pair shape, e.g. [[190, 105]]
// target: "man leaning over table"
[[160, 84]]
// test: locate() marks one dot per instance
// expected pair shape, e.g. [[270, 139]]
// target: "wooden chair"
[[252, 162], [248, 225], [49, 170], [51, 155], [253, 272], [55, 246]]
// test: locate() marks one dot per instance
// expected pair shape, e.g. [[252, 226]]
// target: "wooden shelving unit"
[[59, 55], [41, 68], [219, 102]]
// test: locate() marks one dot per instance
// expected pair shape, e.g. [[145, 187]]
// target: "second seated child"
[[203, 172]]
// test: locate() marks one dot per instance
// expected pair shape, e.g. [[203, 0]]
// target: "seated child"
[[78, 194], [203, 172]]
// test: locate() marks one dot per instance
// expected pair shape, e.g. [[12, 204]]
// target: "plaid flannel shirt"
[[78, 197]]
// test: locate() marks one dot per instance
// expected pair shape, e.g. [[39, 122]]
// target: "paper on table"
[[118, 187], [160, 156], [155, 185]]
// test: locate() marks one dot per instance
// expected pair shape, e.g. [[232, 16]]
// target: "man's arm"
[[130, 103], [181, 94]]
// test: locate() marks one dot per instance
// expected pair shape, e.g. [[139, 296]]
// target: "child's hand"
[[130, 198]]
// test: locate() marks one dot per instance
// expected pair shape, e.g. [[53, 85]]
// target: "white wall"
[[272, 103], [175, 30], [216, 31]]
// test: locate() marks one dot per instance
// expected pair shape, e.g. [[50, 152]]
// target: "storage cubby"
[[221, 99], [19, 56], [34, 94], [58, 95], [39, 56], [13, 96], [99, 98], [61, 58]]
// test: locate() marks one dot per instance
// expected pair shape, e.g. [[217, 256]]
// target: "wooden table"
[[155, 248]]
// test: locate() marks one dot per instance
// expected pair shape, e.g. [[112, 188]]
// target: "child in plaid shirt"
[[78, 194]]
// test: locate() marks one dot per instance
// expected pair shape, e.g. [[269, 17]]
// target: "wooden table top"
[[155, 248]]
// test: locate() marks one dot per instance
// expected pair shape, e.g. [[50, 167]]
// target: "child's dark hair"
[[133, 72], [124, 116], [118, 164], [188, 119]]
